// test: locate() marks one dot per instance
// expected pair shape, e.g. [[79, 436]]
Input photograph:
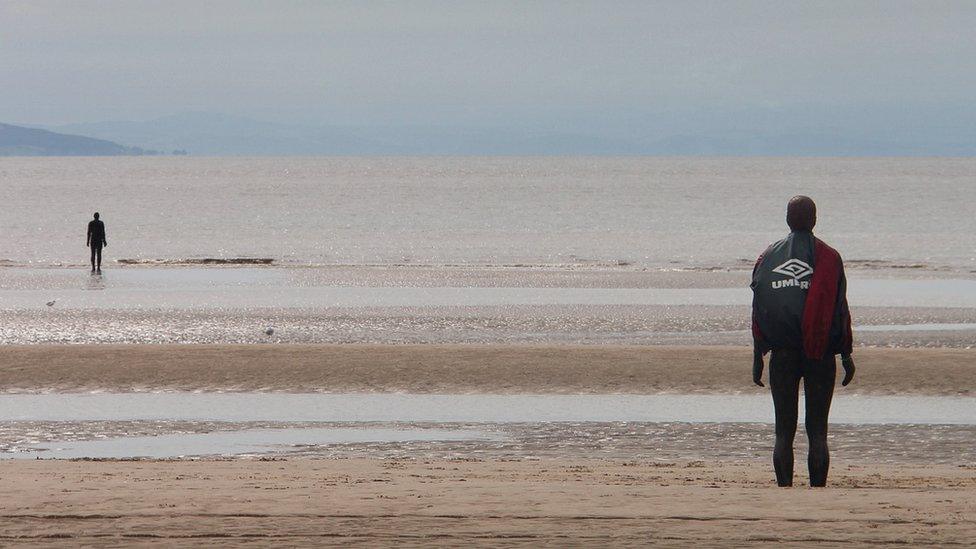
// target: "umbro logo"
[[796, 270]]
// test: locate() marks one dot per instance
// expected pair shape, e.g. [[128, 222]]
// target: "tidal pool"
[[234, 443], [248, 288], [471, 408]]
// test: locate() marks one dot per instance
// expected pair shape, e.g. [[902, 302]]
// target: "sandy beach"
[[565, 369], [530, 484], [555, 484], [366, 502]]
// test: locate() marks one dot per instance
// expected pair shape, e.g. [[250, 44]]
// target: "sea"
[[644, 212]]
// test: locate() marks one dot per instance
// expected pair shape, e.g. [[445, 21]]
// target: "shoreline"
[[610, 265], [454, 368]]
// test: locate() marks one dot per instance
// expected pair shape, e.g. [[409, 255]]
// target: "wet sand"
[[516, 325], [452, 305], [304, 502], [551, 369], [891, 444]]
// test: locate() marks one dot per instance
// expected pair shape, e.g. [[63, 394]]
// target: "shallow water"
[[894, 443], [226, 288], [446, 305], [540, 325], [235, 443], [290, 407], [644, 211]]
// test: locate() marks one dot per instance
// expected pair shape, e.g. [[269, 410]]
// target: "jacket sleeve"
[[841, 325], [759, 344]]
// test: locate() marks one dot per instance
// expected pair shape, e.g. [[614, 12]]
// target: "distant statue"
[[800, 313], [96, 241]]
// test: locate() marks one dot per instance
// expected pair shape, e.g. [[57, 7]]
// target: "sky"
[[608, 66]]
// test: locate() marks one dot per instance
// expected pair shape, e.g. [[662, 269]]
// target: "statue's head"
[[801, 213]]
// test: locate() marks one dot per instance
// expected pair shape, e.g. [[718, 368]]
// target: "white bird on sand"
[[51, 303], [269, 331]]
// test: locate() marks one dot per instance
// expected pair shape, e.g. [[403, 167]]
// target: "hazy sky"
[[487, 62]]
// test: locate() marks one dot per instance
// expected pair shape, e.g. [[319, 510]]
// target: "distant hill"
[[219, 134], [209, 134], [21, 141], [685, 133]]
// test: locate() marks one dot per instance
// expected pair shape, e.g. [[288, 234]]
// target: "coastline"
[[457, 368]]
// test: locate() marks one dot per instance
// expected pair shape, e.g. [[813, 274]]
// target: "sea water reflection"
[[164, 425], [859, 409], [236, 442], [213, 288]]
